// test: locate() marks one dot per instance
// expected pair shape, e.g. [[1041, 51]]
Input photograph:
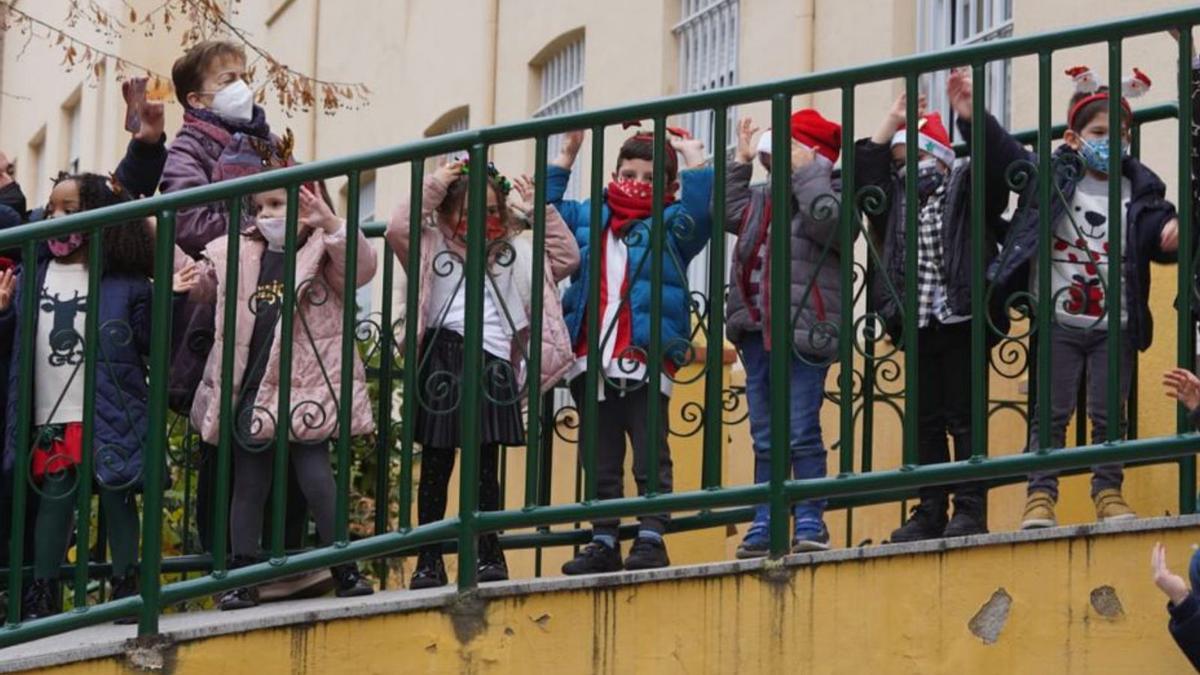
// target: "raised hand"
[[959, 88], [153, 122], [1183, 386], [1168, 582], [747, 132], [572, 141], [521, 197], [895, 118], [314, 212], [450, 171], [692, 150], [185, 279], [8, 288]]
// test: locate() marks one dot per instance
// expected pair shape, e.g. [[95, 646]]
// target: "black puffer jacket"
[[873, 164], [1147, 213]]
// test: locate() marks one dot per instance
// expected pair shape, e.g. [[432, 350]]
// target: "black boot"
[[430, 572], [125, 587], [970, 513], [239, 598], [38, 600], [350, 582], [492, 565], [927, 520]]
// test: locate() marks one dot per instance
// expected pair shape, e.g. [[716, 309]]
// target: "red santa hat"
[[931, 138], [1088, 82], [812, 129]]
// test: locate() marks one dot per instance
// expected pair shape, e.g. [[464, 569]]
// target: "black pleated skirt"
[[439, 395]]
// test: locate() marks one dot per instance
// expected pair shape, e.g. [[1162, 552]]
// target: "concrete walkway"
[[108, 640]]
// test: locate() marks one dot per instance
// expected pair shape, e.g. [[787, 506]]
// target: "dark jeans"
[[1072, 352], [806, 391], [944, 402], [623, 415]]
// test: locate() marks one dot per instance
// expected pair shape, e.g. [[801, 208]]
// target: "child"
[[1182, 604], [316, 363], [441, 321], [625, 320], [815, 308], [1079, 275], [943, 279], [57, 388]]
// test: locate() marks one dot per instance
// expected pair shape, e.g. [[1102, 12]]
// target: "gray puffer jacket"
[[816, 294]]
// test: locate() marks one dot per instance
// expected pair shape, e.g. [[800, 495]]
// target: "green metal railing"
[[394, 355]]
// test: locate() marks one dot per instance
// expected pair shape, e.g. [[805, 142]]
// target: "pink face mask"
[[65, 246]]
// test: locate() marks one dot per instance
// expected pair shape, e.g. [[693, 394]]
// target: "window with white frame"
[[946, 23], [708, 57], [561, 93], [74, 137], [453, 125]]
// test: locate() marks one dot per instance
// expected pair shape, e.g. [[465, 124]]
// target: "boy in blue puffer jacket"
[[624, 339]]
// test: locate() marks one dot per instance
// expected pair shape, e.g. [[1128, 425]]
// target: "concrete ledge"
[[110, 640]]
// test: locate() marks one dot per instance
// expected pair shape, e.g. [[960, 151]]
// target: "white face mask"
[[234, 102], [273, 230]]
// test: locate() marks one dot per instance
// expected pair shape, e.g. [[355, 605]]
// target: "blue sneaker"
[[810, 536], [756, 543]]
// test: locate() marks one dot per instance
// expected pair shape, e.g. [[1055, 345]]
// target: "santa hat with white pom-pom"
[[1087, 84]]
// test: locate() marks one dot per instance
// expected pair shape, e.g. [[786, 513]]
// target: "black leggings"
[[436, 466], [252, 485]]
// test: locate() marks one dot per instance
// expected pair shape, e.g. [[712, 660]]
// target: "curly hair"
[[128, 246]]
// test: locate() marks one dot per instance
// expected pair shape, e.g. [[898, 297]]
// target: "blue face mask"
[[1096, 154]]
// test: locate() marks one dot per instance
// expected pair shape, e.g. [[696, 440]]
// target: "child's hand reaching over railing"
[[1167, 581], [8, 287], [186, 278], [1183, 386]]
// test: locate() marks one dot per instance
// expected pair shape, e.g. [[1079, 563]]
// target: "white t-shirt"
[[448, 304], [58, 345], [1079, 257]]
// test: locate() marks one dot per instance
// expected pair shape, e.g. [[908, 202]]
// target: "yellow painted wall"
[[1077, 606]]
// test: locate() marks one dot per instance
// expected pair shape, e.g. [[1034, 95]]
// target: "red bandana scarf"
[[630, 201]]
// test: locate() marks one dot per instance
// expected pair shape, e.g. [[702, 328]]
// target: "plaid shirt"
[[931, 277]]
